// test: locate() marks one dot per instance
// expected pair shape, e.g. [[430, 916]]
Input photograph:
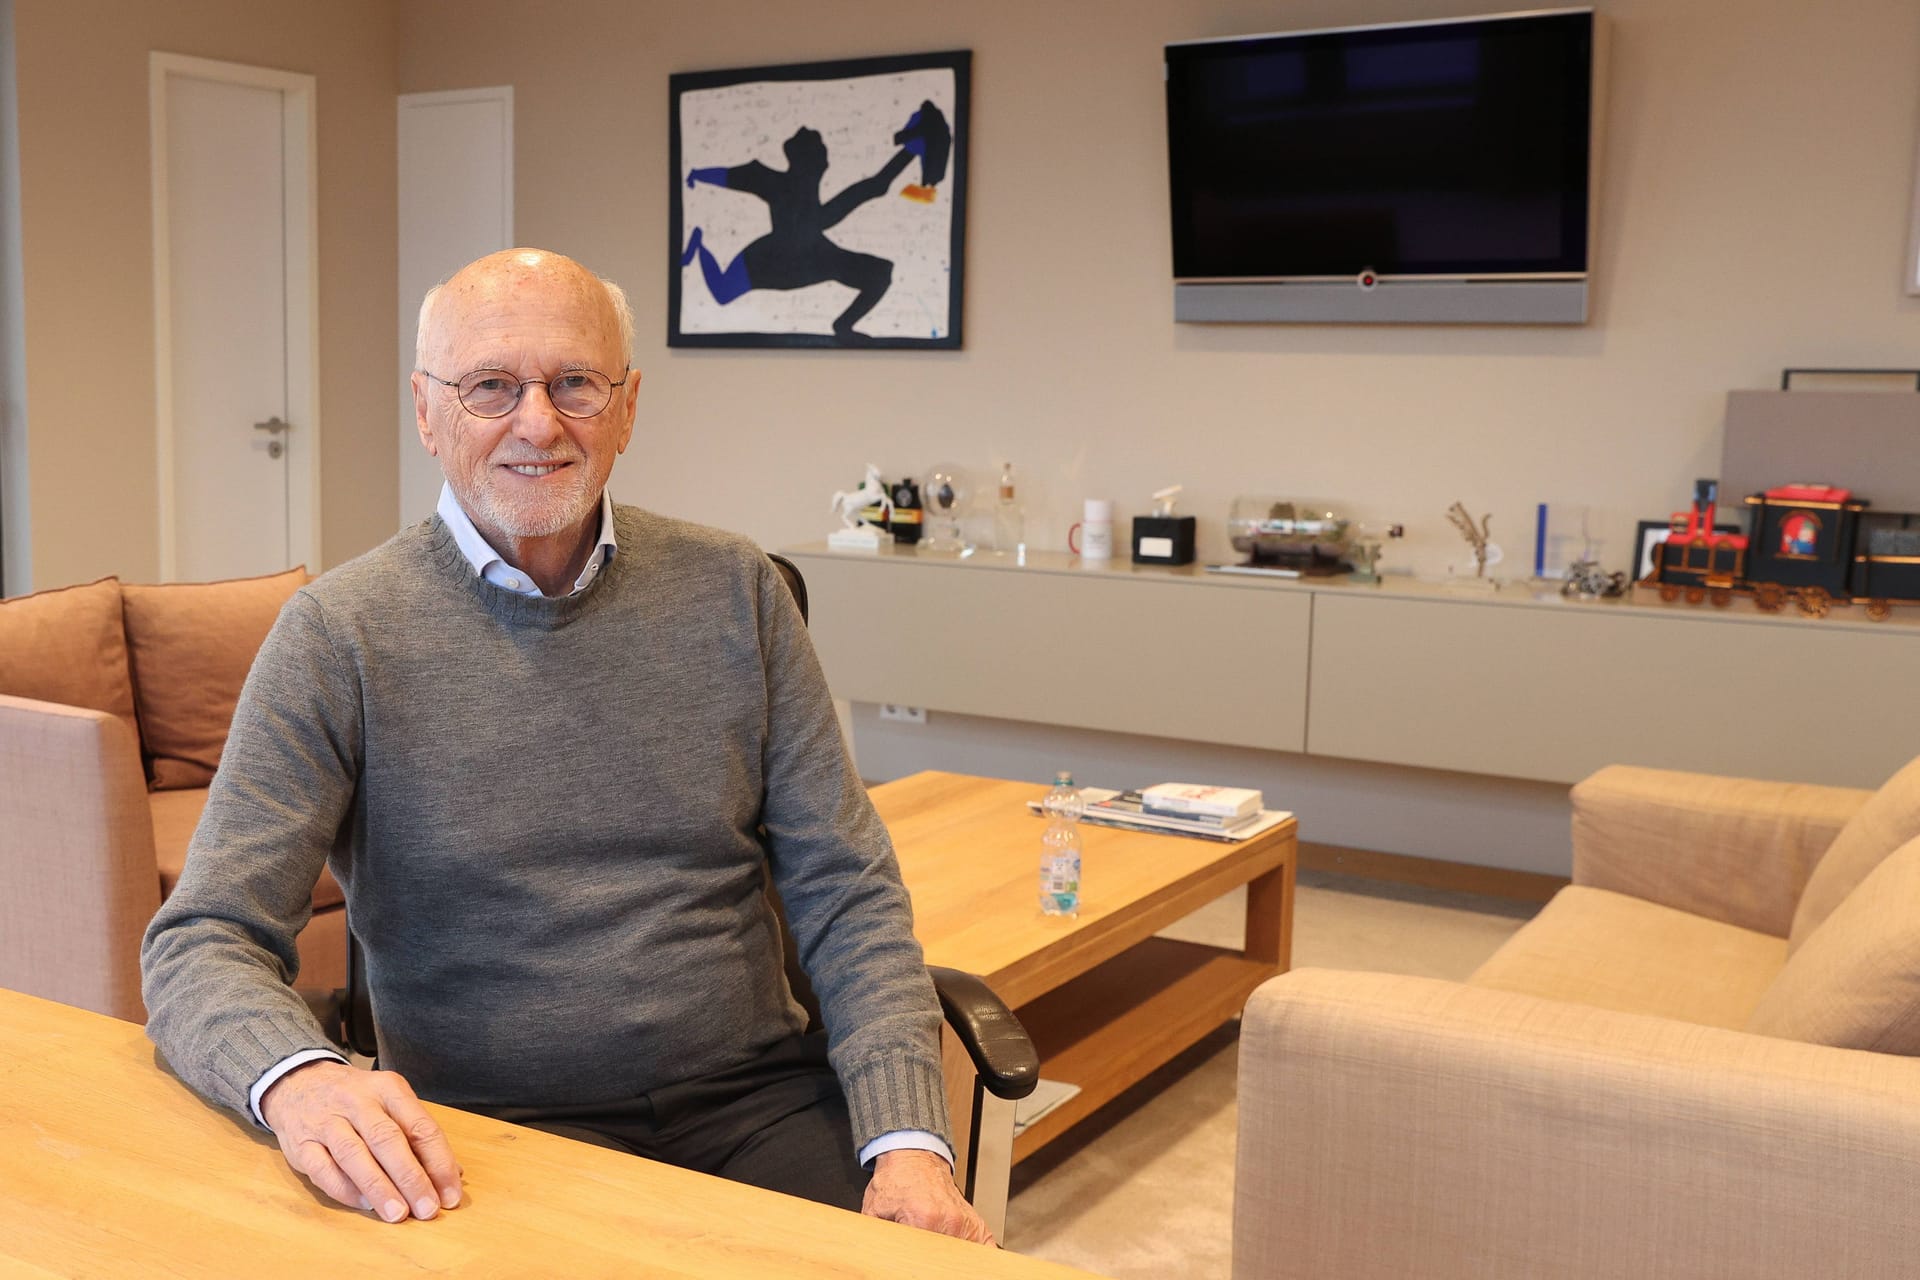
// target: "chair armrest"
[[1394, 1126], [1731, 849], [76, 857], [1002, 1052]]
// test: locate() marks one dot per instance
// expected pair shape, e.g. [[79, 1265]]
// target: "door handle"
[[275, 428]]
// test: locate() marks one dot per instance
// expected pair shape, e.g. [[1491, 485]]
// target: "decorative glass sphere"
[[944, 492]]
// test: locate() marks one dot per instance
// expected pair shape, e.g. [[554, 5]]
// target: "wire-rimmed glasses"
[[494, 393]]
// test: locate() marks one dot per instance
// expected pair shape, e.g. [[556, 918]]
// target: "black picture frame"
[[739, 154], [1649, 534]]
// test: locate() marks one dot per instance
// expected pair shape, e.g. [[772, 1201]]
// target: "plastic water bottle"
[[1060, 849]]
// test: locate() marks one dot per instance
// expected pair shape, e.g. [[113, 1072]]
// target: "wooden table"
[[109, 1166], [1105, 1001]]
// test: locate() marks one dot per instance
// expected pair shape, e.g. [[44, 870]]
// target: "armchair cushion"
[[1855, 981], [1609, 951], [191, 646], [1884, 823], [176, 814], [68, 646]]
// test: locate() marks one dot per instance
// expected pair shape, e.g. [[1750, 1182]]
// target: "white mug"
[[1095, 528]]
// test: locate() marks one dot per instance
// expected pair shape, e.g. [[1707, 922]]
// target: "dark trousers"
[[778, 1121]]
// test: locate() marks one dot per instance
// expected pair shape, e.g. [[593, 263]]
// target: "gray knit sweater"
[[545, 815]]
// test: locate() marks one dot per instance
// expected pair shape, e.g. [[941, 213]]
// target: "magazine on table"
[[1123, 809]]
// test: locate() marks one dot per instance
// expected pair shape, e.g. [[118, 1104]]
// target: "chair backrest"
[[790, 574]]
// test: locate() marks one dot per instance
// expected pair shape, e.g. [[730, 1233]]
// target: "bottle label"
[[1060, 885]]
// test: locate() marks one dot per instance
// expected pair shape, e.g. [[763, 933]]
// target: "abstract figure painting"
[[819, 205]]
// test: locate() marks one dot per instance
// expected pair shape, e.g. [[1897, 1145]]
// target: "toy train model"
[[1814, 545]]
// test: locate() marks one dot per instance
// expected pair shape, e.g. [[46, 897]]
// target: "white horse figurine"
[[848, 504]]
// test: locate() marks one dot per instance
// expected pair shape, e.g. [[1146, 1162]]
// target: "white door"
[[237, 406], [456, 204]]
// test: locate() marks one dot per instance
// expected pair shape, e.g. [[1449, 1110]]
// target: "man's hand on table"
[[916, 1187], [364, 1139]]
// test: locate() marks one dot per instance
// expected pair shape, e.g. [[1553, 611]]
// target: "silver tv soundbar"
[[1388, 302]]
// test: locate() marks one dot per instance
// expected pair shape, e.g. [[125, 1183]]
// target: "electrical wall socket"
[[905, 715]]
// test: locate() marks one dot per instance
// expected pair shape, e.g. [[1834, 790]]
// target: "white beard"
[[541, 518]]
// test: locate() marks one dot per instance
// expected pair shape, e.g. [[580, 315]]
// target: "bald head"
[[486, 283]]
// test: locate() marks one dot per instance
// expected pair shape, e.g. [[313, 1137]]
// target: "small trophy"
[[855, 534], [944, 495]]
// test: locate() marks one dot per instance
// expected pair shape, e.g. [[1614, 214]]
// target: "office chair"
[[1005, 1064]]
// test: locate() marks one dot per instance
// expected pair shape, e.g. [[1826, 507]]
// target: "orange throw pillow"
[[191, 645], [67, 646]]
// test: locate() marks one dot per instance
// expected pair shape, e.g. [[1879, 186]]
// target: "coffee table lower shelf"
[[1109, 1028]]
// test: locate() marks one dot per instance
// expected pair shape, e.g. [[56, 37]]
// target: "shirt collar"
[[489, 564]]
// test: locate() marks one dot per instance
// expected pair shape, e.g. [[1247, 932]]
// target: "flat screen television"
[[1449, 150]]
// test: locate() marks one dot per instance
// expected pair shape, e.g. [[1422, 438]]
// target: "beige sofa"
[[1696, 1061], [114, 706]]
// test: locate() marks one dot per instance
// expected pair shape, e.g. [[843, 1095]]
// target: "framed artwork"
[[1649, 534], [819, 205]]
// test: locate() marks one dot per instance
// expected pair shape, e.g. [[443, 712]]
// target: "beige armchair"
[[114, 705], [1696, 1061]]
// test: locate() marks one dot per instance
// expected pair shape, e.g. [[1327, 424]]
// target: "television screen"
[[1434, 149]]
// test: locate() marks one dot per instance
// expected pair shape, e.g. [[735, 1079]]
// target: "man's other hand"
[[916, 1187], [364, 1139]]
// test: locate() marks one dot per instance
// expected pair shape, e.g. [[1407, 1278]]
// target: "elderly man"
[[551, 746]]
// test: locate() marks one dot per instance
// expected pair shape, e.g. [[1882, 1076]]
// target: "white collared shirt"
[[490, 565]]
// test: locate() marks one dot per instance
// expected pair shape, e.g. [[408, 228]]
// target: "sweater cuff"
[[255, 1047], [893, 1093]]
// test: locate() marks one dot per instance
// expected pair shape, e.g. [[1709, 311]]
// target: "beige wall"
[[1757, 175], [86, 224]]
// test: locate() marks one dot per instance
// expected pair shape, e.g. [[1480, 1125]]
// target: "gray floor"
[[1144, 1188]]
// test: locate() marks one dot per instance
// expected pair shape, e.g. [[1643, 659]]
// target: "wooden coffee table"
[[1105, 1001]]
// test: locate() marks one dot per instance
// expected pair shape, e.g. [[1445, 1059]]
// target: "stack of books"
[[1179, 808], [1193, 802]]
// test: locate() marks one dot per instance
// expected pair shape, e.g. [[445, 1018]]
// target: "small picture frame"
[[1649, 534]]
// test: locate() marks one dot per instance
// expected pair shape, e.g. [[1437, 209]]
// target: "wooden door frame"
[[299, 135]]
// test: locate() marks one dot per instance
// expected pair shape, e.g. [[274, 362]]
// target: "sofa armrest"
[[76, 857], [1394, 1126], [1736, 850]]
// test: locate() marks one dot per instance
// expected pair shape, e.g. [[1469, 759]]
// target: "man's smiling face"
[[534, 473]]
